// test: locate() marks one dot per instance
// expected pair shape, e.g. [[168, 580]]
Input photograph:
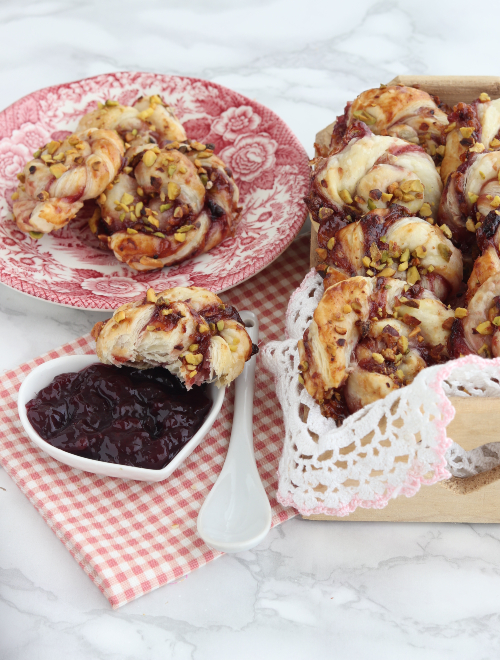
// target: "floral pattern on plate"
[[66, 267]]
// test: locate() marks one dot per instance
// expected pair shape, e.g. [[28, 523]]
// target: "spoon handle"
[[242, 430]]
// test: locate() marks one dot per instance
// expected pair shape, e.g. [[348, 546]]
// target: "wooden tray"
[[472, 499]]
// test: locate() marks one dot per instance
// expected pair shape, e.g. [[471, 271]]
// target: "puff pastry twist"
[[187, 330]]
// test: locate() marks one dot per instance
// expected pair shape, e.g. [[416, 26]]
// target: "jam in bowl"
[[123, 422]]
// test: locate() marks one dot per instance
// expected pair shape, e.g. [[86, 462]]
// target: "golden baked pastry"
[[366, 172], [187, 330], [403, 112], [475, 128], [168, 205], [149, 120], [470, 194], [62, 176], [388, 242], [369, 337]]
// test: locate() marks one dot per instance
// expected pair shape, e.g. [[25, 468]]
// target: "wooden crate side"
[[453, 89]]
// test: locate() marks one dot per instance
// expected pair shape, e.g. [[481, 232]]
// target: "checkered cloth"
[[131, 537]]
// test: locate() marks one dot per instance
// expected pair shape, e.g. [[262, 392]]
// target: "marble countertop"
[[343, 590]]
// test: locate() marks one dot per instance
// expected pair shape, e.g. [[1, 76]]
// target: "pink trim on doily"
[[414, 480]]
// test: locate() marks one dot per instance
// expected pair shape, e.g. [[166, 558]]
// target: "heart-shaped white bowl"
[[44, 374]]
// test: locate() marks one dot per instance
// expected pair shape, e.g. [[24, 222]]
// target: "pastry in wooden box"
[[366, 171], [187, 330], [470, 194], [473, 128], [383, 242], [404, 112], [368, 337]]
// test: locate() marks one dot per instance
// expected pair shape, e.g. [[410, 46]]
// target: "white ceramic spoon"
[[236, 515]]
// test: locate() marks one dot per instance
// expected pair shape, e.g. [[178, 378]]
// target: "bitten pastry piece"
[[168, 205], [369, 337], [473, 128], [403, 112], [62, 176], [389, 243], [470, 194], [369, 171], [149, 120], [187, 330]]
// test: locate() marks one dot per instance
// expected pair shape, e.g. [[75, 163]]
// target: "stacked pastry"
[[158, 197], [393, 245]]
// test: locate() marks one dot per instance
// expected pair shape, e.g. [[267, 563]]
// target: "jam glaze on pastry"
[[187, 330], [477, 331], [473, 128], [62, 176], [391, 243], [366, 172], [470, 194], [168, 205], [403, 112], [369, 337]]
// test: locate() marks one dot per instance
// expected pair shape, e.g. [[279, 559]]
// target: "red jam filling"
[[141, 418]]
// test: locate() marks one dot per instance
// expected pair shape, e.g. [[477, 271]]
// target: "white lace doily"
[[389, 448]]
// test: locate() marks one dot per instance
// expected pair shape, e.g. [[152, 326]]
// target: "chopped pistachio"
[[413, 275], [461, 313], [165, 207], [496, 321], [470, 226], [149, 158], [345, 196], [366, 261], [331, 243], [478, 148], [386, 197], [484, 97], [485, 328], [446, 231], [322, 253], [467, 131], [220, 326], [371, 204], [387, 272], [444, 251], [36, 234], [403, 266], [119, 316], [379, 359], [58, 170], [127, 199], [180, 238], [173, 190], [131, 231]]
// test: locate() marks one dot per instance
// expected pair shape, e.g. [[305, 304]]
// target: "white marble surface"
[[343, 590]]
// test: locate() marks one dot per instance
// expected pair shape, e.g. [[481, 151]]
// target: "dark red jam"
[[121, 415]]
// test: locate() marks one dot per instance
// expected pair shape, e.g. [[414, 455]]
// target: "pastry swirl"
[[187, 330]]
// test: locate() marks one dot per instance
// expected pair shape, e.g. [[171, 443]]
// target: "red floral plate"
[[66, 267]]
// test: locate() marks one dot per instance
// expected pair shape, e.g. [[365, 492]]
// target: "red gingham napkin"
[[131, 537]]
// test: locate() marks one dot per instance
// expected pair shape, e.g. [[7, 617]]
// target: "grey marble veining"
[[334, 590]]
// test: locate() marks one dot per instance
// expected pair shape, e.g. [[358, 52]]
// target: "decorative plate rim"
[[293, 208]]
